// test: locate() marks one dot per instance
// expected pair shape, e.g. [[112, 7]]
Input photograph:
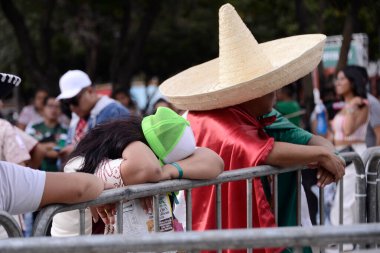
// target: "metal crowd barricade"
[[144, 190], [371, 159], [10, 225], [360, 187], [193, 241]]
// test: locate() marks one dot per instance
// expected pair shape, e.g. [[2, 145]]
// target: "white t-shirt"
[[21, 188]]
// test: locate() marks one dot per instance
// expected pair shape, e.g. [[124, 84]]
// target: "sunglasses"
[[74, 101]]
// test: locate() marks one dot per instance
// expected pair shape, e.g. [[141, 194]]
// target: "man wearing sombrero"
[[227, 99]]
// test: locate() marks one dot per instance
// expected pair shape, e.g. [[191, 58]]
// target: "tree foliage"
[[116, 39]]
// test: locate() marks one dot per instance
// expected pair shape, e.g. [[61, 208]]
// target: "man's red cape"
[[241, 142]]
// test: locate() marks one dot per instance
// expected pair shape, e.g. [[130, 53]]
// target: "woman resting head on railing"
[[125, 152]]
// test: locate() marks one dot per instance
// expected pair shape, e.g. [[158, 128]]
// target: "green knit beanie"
[[169, 135]]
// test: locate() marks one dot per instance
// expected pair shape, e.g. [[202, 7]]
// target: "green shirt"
[[289, 107], [284, 131], [44, 134]]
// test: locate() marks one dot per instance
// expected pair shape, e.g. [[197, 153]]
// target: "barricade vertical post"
[[360, 189], [189, 214], [10, 225], [119, 215], [82, 221], [219, 206], [372, 188], [299, 197], [249, 203], [372, 175], [341, 209], [43, 219], [156, 214], [321, 206], [341, 201], [275, 197], [322, 211], [249, 207], [378, 194]]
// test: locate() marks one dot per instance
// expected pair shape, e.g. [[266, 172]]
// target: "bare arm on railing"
[[286, 155], [140, 165], [25, 190], [202, 164], [70, 188]]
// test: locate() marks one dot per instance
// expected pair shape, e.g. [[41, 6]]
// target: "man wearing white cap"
[[89, 109], [228, 99]]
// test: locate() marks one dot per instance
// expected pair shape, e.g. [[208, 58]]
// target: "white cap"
[[72, 82]]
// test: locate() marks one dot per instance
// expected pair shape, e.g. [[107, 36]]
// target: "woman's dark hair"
[[357, 81], [108, 140]]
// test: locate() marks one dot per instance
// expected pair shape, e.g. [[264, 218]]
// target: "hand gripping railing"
[[191, 241], [10, 225]]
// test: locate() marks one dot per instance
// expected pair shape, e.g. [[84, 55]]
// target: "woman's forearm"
[[202, 164]]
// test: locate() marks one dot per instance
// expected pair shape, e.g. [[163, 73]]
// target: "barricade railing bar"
[[10, 225], [211, 240]]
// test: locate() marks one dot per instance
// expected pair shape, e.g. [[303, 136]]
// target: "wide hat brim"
[[198, 88], [245, 69]]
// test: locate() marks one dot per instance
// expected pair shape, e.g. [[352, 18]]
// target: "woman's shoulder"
[[74, 164]]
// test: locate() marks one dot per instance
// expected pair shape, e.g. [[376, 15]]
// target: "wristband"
[[180, 171]]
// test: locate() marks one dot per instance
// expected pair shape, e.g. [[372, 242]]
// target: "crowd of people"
[[214, 117]]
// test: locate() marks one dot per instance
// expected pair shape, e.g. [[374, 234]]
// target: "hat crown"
[[240, 57], [72, 82]]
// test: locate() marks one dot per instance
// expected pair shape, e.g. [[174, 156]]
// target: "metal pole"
[[321, 206], [372, 174], [341, 208], [119, 215], [322, 211], [249, 207], [82, 220], [10, 225], [156, 213], [189, 214], [249, 203], [219, 206], [299, 185], [200, 240], [275, 197]]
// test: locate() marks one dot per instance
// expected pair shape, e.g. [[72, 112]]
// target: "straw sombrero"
[[245, 70]]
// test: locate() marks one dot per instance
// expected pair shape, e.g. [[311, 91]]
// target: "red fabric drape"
[[241, 141]]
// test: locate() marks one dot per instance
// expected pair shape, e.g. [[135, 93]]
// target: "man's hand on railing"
[[324, 177], [334, 165]]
